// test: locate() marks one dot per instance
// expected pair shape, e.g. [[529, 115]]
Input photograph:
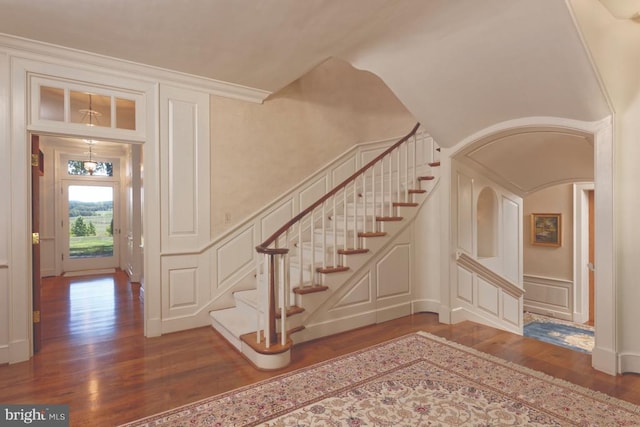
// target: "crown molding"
[[36, 50]]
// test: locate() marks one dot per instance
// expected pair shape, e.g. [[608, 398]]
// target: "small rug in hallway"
[[559, 332], [415, 380]]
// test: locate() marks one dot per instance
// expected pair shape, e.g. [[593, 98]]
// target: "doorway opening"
[[89, 221]]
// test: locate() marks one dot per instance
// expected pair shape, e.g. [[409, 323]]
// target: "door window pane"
[[90, 221]]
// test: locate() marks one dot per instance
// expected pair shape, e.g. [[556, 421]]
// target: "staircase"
[[319, 250]]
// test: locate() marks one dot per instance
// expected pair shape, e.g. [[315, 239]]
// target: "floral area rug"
[[559, 332], [415, 380]]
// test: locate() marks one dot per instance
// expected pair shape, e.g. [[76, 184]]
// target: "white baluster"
[[283, 298], [324, 235]]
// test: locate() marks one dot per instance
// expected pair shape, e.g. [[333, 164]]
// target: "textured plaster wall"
[[552, 262], [260, 151]]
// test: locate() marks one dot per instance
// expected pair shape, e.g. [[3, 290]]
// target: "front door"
[[90, 225]]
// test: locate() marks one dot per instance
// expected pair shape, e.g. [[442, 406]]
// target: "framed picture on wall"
[[546, 229]]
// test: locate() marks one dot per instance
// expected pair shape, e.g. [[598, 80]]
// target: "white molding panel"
[[393, 273], [234, 255], [276, 218], [549, 296], [465, 209], [185, 172], [358, 295]]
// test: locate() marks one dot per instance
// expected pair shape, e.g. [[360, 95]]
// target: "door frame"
[[581, 250], [63, 207]]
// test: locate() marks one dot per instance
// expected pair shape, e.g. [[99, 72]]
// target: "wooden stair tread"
[[389, 218], [433, 164], [372, 234], [310, 289], [260, 347], [426, 178], [331, 269], [353, 251], [292, 310], [417, 191], [294, 330], [405, 204]]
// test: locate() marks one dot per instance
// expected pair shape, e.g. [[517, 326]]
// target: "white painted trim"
[[82, 59], [603, 356], [486, 273], [581, 251], [629, 362], [425, 306]]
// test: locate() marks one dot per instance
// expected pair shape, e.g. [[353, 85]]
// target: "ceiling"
[[459, 66]]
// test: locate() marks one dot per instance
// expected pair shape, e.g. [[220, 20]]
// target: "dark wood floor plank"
[[96, 359]]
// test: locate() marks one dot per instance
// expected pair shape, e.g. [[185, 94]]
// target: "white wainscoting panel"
[[393, 272], [185, 174], [549, 296], [511, 309], [488, 296], [511, 239], [183, 287], [465, 285], [359, 294], [312, 193], [4, 311], [344, 170], [186, 285], [276, 218], [234, 254], [465, 213]]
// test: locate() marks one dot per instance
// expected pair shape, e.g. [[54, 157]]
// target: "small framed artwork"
[[546, 229]]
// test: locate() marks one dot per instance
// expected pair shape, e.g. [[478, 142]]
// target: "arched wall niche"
[[487, 223]]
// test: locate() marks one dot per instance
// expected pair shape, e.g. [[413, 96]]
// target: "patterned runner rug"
[[415, 380], [559, 332]]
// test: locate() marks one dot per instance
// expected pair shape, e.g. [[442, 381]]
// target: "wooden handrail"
[[263, 248]]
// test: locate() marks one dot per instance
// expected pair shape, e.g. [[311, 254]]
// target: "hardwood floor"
[[95, 358]]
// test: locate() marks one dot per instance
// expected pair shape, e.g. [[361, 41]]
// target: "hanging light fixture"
[[89, 115], [90, 165]]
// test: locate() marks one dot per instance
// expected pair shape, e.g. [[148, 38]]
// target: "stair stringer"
[[346, 304]]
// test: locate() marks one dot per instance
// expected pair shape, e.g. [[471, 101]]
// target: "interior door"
[[592, 256], [90, 225], [37, 169]]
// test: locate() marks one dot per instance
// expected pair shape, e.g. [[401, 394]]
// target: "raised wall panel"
[[465, 285], [548, 296], [367, 155], [465, 213], [488, 296], [511, 310], [312, 192], [393, 272], [344, 170], [183, 287], [4, 312], [275, 219], [511, 240], [185, 172], [183, 168], [235, 254], [359, 294]]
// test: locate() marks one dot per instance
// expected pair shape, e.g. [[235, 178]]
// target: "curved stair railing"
[[316, 242]]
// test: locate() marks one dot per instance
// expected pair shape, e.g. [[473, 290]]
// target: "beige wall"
[[260, 151], [552, 262]]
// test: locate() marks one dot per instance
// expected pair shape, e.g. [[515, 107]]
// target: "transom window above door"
[[91, 110]]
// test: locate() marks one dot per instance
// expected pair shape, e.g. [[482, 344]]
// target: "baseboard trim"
[[4, 354], [425, 306], [604, 360], [629, 363], [19, 351]]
